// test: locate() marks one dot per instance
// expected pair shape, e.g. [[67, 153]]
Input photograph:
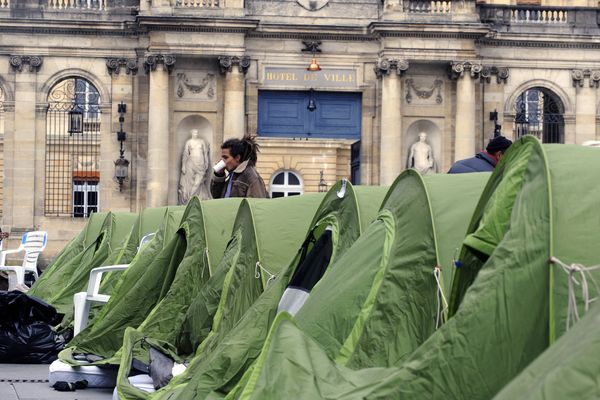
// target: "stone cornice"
[[538, 43], [152, 60], [578, 76], [385, 66], [447, 30], [189, 24], [67, 27], [114, 65], [226, 63], [34, 62]]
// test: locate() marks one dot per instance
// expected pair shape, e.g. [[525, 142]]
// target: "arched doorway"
[[540, 112], [72, 173]]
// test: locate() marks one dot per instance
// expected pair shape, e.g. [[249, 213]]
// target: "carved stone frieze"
[[151, 61], [424, 93], [114, 65], [226, 63], [385, 66], [196, 85], [17, 62], [579, 75]]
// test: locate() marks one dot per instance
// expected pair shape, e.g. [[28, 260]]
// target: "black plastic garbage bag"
[[27, 335]]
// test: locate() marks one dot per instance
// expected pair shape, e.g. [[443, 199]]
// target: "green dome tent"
[[166, 281], [383, 297], [265, 233], [509, 302], [221, 361], [63, 282]]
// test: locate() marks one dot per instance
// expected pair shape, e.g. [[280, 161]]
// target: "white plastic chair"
[[32, 244], [82, 301]]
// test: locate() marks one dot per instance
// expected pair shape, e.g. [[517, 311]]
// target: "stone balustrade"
[[538, 15], [4, 3], [198, 3], [76, 4], [427, 6]]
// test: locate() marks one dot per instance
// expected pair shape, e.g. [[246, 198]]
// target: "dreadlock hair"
[[247, 148]]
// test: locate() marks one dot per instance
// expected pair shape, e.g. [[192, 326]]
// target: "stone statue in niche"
[[420, 156], [195, 169]]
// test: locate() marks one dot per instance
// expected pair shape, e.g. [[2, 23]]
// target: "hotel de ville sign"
[[298, 77]]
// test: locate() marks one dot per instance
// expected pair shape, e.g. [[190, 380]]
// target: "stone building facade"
[[390, 69]]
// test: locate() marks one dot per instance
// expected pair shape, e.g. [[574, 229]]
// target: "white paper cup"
[[219, 166]]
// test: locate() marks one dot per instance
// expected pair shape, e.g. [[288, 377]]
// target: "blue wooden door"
[[286, 114]]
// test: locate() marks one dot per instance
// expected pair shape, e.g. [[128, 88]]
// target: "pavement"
[[30, 382]]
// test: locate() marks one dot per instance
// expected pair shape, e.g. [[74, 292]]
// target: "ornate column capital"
[[500, 72], [226, 63], [114, 65], [579, 75], [16, 62], [151, 61], [458, 68], [384, 66]]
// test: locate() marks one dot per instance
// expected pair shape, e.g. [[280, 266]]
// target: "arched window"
[[72, 149], [539, 112], [285, 183]]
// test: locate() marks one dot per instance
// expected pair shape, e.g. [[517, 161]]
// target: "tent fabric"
[[156, 284], [508, 306], [566, 370], [73, 277], [81, 247], [222, 359], [234, 285], [382, 293]]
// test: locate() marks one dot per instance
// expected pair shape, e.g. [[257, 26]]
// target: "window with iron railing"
[[72, 149]]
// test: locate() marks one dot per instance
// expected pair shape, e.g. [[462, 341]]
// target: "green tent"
[[382, 296], [149, 221], [509, 302], [80, 248], [567, 370], [265, 233], [64, 282], [158, 283], [222, 359]]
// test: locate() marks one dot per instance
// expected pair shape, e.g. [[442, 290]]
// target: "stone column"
[[390, 165], [157, 188], [23, 161], [465, 136], [234, 105], [586, 83], [492, 79]]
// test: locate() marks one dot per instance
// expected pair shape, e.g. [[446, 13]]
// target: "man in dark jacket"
[[243, 180], [485, 160]]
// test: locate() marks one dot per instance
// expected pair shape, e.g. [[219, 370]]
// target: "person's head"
[[194, 133], [236, 151], [422, 136], [498, 146]]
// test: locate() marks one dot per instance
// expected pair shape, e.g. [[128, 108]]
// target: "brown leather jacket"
[[246, 183]]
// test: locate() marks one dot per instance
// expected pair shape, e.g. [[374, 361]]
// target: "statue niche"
[[195, 169], [420, 156]]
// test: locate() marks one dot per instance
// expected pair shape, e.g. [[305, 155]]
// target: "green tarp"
[[221, 361], [259, 236], [158, 286], [509, 302]]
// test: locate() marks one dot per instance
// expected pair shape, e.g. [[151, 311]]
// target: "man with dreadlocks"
[[242, 180]]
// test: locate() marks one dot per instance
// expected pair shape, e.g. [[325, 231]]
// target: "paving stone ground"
[[30, 382]]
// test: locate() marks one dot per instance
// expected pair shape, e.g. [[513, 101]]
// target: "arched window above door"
[[285, 183]]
